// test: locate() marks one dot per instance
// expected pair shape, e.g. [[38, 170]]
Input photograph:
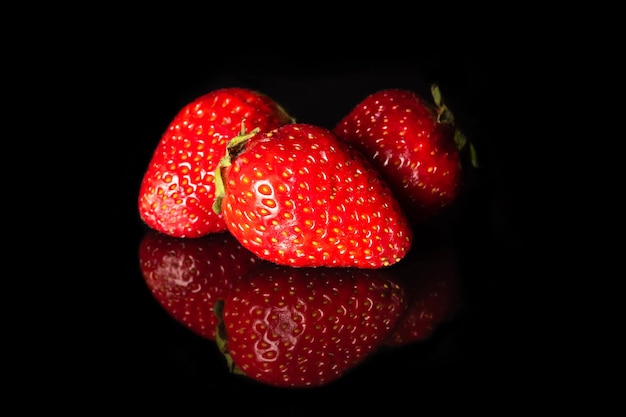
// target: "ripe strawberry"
[[177, 190], [298, 196], [187, 276], [431, 282], [306, 327], [415, 145]]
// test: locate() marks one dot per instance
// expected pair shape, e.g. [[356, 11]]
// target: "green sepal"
[[233, 148], [445, 115]]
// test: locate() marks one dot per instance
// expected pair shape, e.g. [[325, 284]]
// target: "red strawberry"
[[415, 145], [177, 190], [306, 327], [187, 276], [298, 196], [433, 295]]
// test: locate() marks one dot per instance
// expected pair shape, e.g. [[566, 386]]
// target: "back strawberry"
[[415, 145], [177, 189]]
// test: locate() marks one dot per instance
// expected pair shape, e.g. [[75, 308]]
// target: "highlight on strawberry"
[[298, 196]]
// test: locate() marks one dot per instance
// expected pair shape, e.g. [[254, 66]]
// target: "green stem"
[[444, 114]]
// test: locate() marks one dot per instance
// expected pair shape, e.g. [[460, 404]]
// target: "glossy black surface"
[[114, 344]]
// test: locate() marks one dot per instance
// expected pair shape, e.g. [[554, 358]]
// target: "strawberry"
[[177, 189], [431, 282], [187, 276], [415, 145], [306, 327], [299, 196]]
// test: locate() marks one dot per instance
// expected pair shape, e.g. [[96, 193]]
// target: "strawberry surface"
[[177, 189], [306, 327], [415, 145], [187, 276], [298, 196]]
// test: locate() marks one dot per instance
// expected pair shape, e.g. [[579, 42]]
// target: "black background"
[[103, 341]]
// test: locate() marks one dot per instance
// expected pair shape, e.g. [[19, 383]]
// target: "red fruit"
[[177, 189], [187, 276], [415, 145], [306, 327], [433, 295], [298, 196]]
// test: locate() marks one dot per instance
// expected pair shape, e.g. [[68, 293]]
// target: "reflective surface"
[[120, 343]]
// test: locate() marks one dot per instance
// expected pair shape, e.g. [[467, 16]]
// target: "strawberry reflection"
[[431, 281], [297, 327], [306, 327], [187, 276]]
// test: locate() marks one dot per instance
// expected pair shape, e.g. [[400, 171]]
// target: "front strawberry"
[[298, 196], [177, 189], [306, 327], [414, 143], [187, 276]]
